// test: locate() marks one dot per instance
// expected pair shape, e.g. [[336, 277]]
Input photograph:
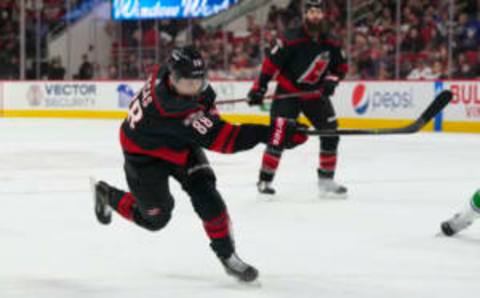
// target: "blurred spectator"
[[9, 67], [113, 72], [465, 71], [55, 69], [363, 57], [477, 66], [421, 71], [130, 67], [438, 70], [467, 34], [423, 34], [413, 42], [272, 16], [50, 15], [86, 71], [252, 26], [383, 73]]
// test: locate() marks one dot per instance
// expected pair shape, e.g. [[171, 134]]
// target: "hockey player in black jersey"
[[305, 59], [169, 122]]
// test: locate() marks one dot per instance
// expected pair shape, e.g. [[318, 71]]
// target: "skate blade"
[[92, 182], [440, 234], [255, 284], [266, 197], [332, 196]]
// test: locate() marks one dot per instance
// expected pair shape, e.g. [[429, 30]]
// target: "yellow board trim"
[[460, 126], [346, 123], [352, 123], [83, 114]]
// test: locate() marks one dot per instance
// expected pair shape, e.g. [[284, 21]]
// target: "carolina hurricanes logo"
[[316, 69], [360, 102]]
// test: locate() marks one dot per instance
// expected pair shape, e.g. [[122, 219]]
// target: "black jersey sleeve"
[[339, 65], [273, 62], [211, 132]]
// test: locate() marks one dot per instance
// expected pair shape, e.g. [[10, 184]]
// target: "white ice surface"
[[381, 242]]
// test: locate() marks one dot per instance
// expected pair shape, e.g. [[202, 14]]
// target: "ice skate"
[[101, 193], [237, 268], [328, 188]]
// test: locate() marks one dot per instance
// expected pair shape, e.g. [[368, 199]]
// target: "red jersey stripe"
[[221, 138], [176, 157]]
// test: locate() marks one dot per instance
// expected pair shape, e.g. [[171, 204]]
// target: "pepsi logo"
[[360, 102], [383, 99]]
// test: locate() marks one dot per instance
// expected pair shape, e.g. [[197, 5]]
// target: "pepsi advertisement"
[[168, 9]]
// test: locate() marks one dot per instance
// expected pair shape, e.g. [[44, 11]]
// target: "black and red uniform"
[[304, 63], [163, 137]]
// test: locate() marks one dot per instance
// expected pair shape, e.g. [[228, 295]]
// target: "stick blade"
[[440, 102]]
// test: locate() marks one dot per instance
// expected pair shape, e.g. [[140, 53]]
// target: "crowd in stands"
[[420, 48], [423, 44], [50, 15]]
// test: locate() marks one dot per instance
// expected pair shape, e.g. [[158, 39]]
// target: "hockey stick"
[[440, 102], [270, 97]]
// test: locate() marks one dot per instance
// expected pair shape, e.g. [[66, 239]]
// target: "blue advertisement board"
[[168, 9]]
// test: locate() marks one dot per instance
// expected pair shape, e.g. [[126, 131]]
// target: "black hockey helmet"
[[318, 25], [307, 4], [187, 62]]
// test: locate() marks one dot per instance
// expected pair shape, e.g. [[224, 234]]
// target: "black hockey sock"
[[323, 174], [223, 247]]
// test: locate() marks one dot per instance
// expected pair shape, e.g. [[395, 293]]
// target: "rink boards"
[[359, 104]]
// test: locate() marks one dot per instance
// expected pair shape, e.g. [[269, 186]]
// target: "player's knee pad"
[[200, 177], [157, 217], [155, 222], [158, 222]]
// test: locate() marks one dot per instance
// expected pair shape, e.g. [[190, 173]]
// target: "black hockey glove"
[[329, 85], [285, 134], [208, 98], [256, 95]]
